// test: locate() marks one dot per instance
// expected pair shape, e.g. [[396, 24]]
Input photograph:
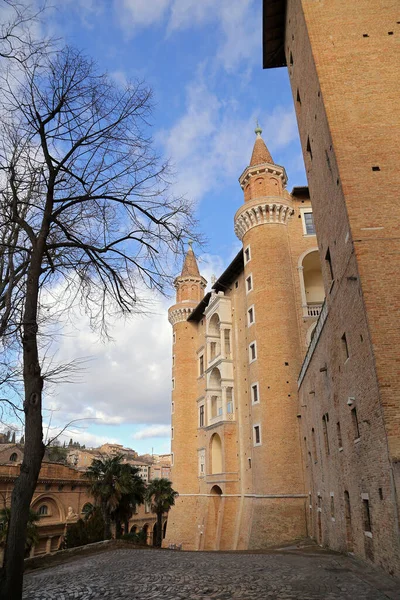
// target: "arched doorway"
[[214, 518], [216, 455], [133, 529], [155, 529]]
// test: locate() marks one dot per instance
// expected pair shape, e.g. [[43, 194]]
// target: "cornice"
[[263, 211], [181, 279], [177, 315], [270, 168]]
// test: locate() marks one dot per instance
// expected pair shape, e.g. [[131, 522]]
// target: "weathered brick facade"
[[343, 63]]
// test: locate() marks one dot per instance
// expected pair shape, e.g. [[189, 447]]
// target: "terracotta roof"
[[190, 268], [260, 152]]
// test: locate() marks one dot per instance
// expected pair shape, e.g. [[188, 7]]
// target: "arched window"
[[43, 510], [215, 379], [311, 283], [87, 508], [214, 326], [216, 454], [13, 457]]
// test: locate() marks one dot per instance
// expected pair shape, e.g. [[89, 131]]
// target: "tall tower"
[[189, 287], [273, 347]]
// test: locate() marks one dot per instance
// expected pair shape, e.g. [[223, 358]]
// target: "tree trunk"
[[107, 521], [11, 576], [126, 526], [159, 530]]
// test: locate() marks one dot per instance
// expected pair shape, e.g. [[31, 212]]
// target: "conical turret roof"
[[261, 153], [190, 268]]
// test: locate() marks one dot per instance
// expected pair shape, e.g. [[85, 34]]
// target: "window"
[[332, 506], [201, 415], [257, 435], [172, 459], [339, 435], [366, 513], [251, 316], [13, 457], [43, 510], [249, 283], [229, 400], [201, 365], [173, 383], [325, 420], [255, 396], [328, 263], [308, 223], [173, 360], [252, 351], [87, 508], [247, 255], [356, 429], [345, 348], [172, 433], [173, 338], [172, 407]]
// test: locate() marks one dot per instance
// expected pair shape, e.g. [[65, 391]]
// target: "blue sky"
[[203, 61]]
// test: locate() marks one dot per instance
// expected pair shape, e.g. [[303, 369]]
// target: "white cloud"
[[210, 144], [136, 13], [153, 431]]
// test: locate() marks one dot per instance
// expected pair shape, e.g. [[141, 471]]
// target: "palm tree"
[[111, 481], [128, 502], [161, 496], [32, 535]]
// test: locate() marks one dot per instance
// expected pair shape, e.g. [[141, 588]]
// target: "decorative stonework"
[[177, 315], [270, 169], [260, 213], [180, 280]]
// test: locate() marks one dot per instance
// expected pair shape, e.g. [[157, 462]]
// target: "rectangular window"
[[255, 396], [173, 360], [314, 445], [328, 263], [309, 223], [173, 384], [227, 340], [257, 435], [247, 255], [339, 435], [172, 407], [172, 433], [366, 515], [201, 415], [249, 283], [325, 420], [172, 459], [173, 338], [251, 316], [201, 365], [345, 348], [252, 351], [356, 429], [332, 506]]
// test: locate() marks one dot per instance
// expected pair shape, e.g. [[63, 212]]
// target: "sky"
[[203, 60]]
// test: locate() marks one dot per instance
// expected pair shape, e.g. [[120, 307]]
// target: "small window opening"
[[201, 415], [332, 507], [380, 494], [325, 419], [247, 255], [356, 428], [257, 436], [298, 99], [365, 35], [236, 284], [291, 59], [250, 313], [345, 348], [390, 32], [366, 516], [249, 283], [43, 510], [13, 457], [253, 351], [309, 148], [254, 393], [376, 168], [201, 365]]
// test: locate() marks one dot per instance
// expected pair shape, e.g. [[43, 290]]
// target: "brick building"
[[282, 425]]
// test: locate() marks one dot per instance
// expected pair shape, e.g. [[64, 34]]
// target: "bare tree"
[[18, 22], [86, 214]]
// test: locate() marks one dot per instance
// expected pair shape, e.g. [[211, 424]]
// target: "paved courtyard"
[[140, 574]]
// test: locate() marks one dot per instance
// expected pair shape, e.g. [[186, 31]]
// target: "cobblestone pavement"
[[131, 574]]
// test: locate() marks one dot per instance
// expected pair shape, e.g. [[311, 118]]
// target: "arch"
[[214, 325], [216, 490], [311, 282], [13, 457], [216, 454], [88, 507], [55, 509], [215, 379], [133, 529]]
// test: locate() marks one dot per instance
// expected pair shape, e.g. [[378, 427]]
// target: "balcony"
[[221, 477], [313, 310]]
